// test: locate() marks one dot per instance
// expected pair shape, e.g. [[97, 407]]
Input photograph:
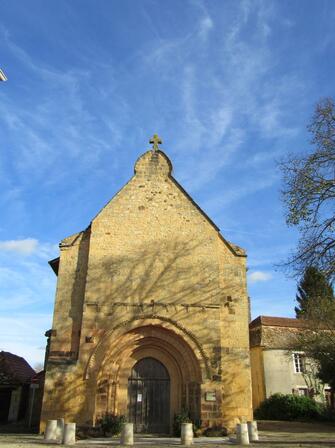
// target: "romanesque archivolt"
[[97, 352]]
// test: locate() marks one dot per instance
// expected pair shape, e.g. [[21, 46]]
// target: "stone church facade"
[[151, 313]]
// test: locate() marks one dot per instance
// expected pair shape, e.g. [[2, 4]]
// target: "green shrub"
[[288, 407], [327, 413], [183, 417], [197, 431], [112, 424]]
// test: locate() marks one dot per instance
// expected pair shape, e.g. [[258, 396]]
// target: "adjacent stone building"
[[276, 368], [151, 312], [15, 378]]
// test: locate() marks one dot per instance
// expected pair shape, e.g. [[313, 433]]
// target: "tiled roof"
[[14, 369], [38, 377], [271, 321]]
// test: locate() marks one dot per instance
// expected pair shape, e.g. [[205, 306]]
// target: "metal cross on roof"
[[155, 141]]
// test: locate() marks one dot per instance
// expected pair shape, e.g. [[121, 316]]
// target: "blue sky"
[[229, 86]]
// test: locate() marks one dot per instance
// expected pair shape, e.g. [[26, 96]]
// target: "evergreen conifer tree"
[[312, 288]]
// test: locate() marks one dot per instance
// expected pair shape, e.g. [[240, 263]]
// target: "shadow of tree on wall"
[[167, 271], [177, 279]]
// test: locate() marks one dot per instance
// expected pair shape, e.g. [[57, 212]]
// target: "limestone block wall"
[[234, 323], [150, 257], [70, 292], [257, 375]]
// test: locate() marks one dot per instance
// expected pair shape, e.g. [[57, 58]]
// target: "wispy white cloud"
[[56, 132], [23, 335], [211, 78], [220, 101], [26, 246], [29, 246], [205, 26], [259, 276], [205, 22], [25, 284], [250, 185]]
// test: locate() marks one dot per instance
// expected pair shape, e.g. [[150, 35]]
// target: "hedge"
[[288, 407]]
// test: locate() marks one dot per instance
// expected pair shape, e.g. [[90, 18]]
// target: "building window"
[[303, 391], [298, 362]]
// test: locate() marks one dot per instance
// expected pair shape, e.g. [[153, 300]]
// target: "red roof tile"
[[38, 377], [15, 368]]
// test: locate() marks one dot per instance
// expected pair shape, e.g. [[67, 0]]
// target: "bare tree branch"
[[309, 196]]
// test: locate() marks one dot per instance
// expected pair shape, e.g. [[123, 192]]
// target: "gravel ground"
[[272, 434]]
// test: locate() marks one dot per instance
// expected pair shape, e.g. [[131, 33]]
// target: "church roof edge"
[[235, 249]]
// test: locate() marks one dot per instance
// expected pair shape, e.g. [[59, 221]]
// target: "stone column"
[[127, 434], [242, 435], [51, 430], [186, 435], [60, 429], [69, 434], [253, 431]]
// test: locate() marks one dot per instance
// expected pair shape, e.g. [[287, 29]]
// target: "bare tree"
[[309, 193], [317, 341]]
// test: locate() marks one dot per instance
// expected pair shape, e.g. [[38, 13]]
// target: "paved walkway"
[[272, 434]]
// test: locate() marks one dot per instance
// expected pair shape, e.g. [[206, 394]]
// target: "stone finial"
[[155, 141], [152, 164]]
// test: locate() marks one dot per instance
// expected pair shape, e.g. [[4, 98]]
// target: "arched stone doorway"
[[149, 396], [123, 357]]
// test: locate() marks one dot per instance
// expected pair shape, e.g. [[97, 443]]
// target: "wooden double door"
[[149, 397]]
